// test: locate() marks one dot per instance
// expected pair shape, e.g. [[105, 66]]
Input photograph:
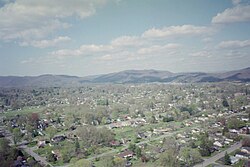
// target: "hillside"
[[129, 76]]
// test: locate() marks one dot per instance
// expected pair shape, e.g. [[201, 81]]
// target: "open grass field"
[[24, 111]]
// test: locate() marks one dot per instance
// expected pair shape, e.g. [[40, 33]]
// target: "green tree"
[[51, 157], [104, 121], [51, 132], [107, 161], [196, 156], [227, 160], [138, 152], [234, 123], [7, 153], [132, 147], [17, 135], [205, 144], [152, 120], [190, 156], [170, 158], [65, 157], [225, 103], [77, 145], [119, 162], [33, 119], [185, 155], [225, 130], [67, 153], [30, 130], [92, 136], [246, 142], [167, 119]]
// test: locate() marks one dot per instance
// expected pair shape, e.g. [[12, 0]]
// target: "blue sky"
[[87, 37]]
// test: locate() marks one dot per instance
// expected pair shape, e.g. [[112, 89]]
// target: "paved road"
[[42, 161], [103, 154], [216, 157], [38, 158]]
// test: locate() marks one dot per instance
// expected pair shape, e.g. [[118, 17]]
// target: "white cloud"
[[106, 57], [207, 39], [176, 31], [128, 41], [158, 49], [120, 56], [141, 47], [95, 48], [83, 50], [234, 44], [31, 33], [201, 54], [238, 13], [46, 43], [29, 19], [236, 2]]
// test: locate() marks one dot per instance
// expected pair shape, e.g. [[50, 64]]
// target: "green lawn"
[[32, 144], [44, 151], [125, 132], [24, 111]]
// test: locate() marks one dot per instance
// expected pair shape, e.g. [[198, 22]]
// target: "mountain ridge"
[[127, 76]]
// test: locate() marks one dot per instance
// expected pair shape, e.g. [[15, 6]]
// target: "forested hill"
[[129, 76]]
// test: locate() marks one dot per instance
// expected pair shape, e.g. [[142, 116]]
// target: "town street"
[[28, 150], [218, 156], [38, 158]]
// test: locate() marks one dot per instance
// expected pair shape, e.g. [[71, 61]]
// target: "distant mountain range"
[[129, 76]]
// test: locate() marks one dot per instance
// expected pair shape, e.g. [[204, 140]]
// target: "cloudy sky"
[[86, 37]]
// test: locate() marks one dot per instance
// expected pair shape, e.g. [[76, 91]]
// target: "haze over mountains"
[[128, 76]]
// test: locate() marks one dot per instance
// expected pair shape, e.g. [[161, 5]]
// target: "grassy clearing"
[[148, 164], [24, 111], [125, 132], [32, 144]]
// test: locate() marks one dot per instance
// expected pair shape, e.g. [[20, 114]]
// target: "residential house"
[[234, 160], [126, 154], [114, 143], [218, 144], [41, 143], [141, 135], [56, 154], [57, 139], [245, 150], [242, 155]]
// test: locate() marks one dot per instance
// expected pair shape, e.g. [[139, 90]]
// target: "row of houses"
[[243, 153], [131, 122]]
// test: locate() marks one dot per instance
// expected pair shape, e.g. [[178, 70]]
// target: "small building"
[[57, 139], [56, 153], [242, 155], [217, 143], [245, 150], [126, 154], [233, 131], [141, 135], [234, 160], [114, 143], [41, 143]]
